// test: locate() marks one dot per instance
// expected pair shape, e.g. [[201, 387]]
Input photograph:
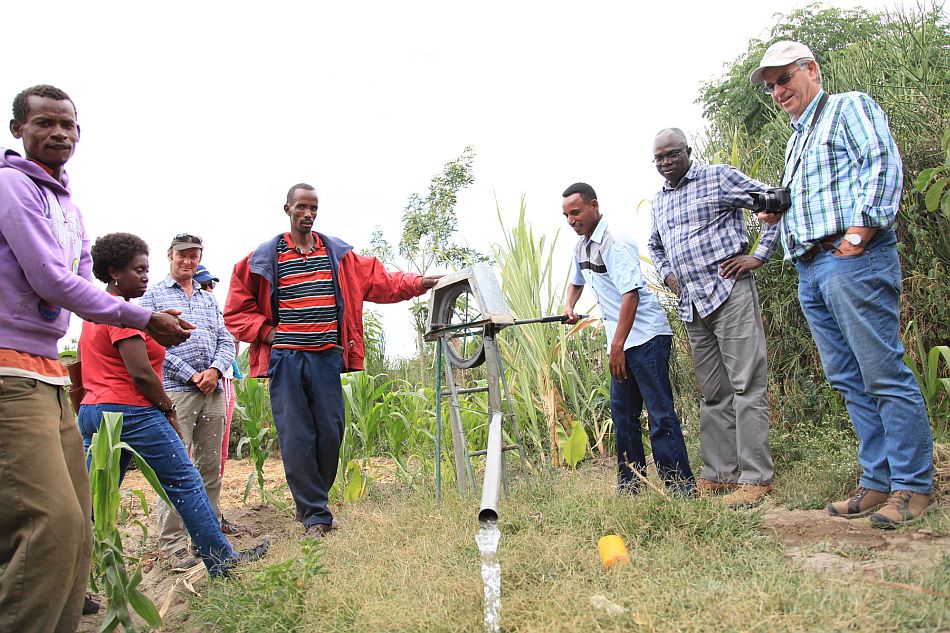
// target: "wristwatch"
[[171, 409], [854, 240]]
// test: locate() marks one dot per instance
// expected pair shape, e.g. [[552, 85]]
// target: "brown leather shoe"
[[860, 502], [902, 507], [317, 531], [229, 528], [706, 487], [182, 560], [747, 495]]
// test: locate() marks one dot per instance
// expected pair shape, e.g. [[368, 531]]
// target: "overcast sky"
[[198, 116]]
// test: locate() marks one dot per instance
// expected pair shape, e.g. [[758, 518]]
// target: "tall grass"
[[557, 374]]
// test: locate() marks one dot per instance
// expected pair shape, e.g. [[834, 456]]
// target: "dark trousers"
[[648, 382], [307, 399]]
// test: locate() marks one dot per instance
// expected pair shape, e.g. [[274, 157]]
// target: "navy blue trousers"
[[307, 400], [648, 382]]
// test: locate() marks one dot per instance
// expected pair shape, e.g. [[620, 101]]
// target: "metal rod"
[[463, 470], [438, 421], [506, 447], [555, 318], [511, 413], [467, 389]]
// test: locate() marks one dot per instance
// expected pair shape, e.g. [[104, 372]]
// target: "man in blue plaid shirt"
[[845, 176], [698, 245], [191, 376]]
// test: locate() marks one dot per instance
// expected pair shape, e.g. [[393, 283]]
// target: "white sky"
[[198, 116]]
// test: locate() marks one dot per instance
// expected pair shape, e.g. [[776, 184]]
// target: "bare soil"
[[170, 590], [840, 546]]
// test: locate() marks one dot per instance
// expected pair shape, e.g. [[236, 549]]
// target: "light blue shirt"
[[850, 173], [611, 265]]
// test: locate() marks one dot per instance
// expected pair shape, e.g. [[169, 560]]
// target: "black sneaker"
[[255, 553], [90, 605]]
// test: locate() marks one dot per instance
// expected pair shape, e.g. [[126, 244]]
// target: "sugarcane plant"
[[109, 573]]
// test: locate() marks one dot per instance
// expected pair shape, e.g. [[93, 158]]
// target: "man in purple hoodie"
[[45, 273]]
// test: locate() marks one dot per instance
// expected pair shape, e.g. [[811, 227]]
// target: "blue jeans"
[[147, 430], [307, 400], [851, 304], [648, 370]]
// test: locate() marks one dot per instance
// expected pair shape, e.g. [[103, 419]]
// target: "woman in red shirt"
[[120, 371]]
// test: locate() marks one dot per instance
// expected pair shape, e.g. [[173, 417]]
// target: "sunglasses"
[[769, 87], [187, 237]]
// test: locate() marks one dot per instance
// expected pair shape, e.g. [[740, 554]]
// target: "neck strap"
[[814, 122]]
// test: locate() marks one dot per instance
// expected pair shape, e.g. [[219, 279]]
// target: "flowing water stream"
[[487, 541]]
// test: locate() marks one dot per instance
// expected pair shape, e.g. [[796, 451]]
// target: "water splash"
[[487, 541]]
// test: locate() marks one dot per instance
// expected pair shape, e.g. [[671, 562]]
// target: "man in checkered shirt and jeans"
[[191, 375], [698, 244], [845, 177]]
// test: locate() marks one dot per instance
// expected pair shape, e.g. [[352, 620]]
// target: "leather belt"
[[827, 243]]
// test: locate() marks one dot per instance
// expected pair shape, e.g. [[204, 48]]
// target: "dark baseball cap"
[[184, 241]]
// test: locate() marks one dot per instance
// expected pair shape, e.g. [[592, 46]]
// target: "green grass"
[[404, 563]]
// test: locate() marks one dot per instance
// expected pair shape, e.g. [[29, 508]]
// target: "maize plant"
[[109, 572], [252, 404]]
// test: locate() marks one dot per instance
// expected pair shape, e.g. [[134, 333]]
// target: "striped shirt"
[[306, 299], [850, 174], [698, 224]]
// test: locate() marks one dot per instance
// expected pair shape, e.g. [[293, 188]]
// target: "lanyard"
[[814, 123]]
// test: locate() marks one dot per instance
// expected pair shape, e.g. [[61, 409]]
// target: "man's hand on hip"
[[739, 265], [673, 284]]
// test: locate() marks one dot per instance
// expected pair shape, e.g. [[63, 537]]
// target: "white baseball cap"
[[780, 54]]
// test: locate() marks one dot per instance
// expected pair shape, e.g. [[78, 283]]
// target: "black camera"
[[775, 200]]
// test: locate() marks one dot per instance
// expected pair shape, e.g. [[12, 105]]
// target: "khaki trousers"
[[45, 509], [201, 419], [732, 371]]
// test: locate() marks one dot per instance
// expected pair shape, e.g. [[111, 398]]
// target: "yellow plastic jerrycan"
[[612, 551]]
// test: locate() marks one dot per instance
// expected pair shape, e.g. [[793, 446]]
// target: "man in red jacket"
[[298, 300]]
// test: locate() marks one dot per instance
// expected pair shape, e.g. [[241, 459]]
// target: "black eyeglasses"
[[672, 155], [187, 237], [769, 87]]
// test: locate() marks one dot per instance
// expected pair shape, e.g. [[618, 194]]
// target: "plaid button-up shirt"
[[210, 344], [850, 174], [697, 225]]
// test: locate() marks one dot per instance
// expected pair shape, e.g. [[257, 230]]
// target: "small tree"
[[428, 241]]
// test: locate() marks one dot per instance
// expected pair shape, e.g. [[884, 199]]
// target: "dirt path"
[[170, 590], [829, 544]]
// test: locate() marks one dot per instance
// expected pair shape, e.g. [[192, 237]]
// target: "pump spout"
[[493, 464]]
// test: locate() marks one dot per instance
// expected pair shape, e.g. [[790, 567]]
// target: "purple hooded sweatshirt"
[[45, 266]]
